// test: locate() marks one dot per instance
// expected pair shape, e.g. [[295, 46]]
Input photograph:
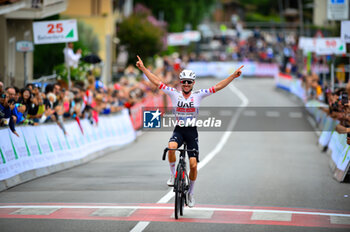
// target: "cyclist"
[[185, 101]]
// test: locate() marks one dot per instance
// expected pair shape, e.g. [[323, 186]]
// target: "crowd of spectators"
[[338, 108], [36, 104], [267, 46]]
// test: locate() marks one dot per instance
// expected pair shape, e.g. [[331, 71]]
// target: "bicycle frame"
[[181, 180]]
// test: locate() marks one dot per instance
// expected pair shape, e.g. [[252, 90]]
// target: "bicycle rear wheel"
[[178, 195], [182, 190]]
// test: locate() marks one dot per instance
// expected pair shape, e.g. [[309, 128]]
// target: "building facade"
[[102, 16], [16, 18]]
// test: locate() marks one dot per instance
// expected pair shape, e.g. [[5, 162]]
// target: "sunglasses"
[[189, 82]]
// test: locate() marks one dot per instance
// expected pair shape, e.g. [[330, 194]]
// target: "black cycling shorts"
[[188, 135]]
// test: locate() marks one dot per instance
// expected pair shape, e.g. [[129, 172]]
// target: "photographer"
[[5, 111], [344, 115], [7, 118]]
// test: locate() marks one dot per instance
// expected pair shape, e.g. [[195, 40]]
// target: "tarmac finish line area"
[[118, 189]]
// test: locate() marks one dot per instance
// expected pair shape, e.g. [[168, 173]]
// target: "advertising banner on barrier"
[[345, 31], [45, 145], [224, 69], [327, 132], [340, 156]]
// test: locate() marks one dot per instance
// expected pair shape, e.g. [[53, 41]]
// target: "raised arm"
[[153, 78], [222, 84]]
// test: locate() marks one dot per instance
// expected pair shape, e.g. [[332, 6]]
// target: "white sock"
[[190, 191], [172, 168]]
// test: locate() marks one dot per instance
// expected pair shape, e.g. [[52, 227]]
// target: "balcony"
[[37, 9], [10, 6]]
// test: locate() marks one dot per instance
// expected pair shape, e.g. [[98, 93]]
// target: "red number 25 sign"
[[55, 31], [55, 28]]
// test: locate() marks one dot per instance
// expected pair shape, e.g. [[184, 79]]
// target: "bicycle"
[[181, 184]]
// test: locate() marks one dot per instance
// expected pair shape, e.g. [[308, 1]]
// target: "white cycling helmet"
[[187, 75]]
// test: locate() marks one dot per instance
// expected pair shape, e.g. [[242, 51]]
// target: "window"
[[95, 7], [11, 58], [27, 36]]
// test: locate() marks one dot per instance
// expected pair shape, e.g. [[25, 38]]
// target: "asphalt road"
[[259, 178]]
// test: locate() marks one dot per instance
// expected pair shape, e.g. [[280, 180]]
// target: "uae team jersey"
[[186, 109]]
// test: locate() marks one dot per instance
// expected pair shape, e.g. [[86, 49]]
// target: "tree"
[[180, 12], [140, 36]]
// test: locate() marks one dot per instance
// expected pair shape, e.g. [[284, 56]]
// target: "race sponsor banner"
[[45, 145], [43, 140], [183, 38], [338, 142], [328, 129], [73, 135], [344, 158], [322, 46], [330, 46], [8, 154], [128, 135], [307, 44], [32, 143], [224, 69], [340, 155], [345, 31], [297, 89]]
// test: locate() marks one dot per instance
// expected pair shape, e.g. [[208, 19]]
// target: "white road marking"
[[249, 113], [295, 114], [135, 207], [226, 112], [285, 217], [204, 113], [340, 220], [103, 212], [272, 114], [140, 226], [203, 214], [35, 211], [212, 154]]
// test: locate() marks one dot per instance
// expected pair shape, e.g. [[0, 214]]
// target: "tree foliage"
[[140, 36], [180, 12]]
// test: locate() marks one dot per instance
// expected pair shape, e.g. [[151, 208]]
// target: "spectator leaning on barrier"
[[11, 92], [26, 100], [5, 112], [34, 104], [341, 101], [13, 118], [19, 111]]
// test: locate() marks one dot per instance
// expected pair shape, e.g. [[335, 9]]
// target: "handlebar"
[[168, 149]]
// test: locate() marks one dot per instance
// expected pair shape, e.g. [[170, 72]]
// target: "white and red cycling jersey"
[[183, 108]]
